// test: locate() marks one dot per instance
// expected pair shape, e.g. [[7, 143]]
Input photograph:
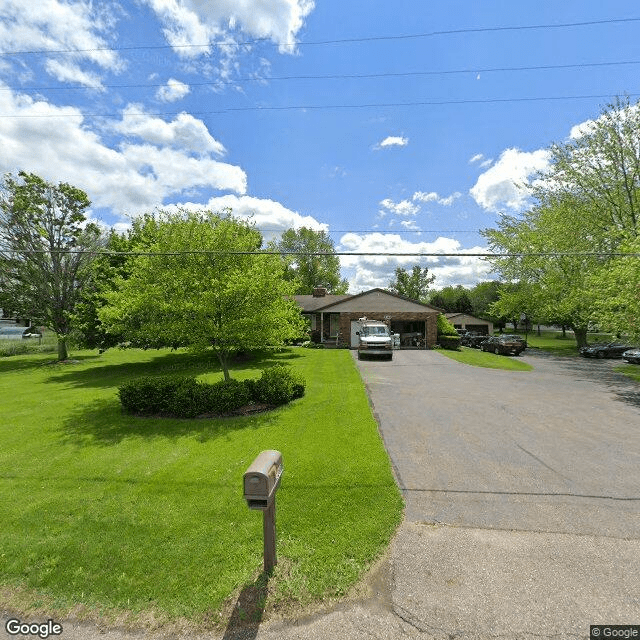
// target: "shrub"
[[226, 396], [186, 397], [149, 395], [449, 342], [445, 328], [278, 385]]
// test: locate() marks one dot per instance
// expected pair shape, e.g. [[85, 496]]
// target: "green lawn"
[[553, 342], [630, 370], [117, 513], [477, 358]]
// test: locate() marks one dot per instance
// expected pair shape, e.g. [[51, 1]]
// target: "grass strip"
[[119, 513], [630, 370], [477, 358]]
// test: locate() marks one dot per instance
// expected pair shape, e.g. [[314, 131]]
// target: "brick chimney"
[[319, 292]]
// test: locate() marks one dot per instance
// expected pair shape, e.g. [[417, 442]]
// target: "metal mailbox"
[[262, 479]]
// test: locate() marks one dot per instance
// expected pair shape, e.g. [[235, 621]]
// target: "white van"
[[374, 338]]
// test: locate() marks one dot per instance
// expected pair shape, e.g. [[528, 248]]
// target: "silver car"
[[632, 355]]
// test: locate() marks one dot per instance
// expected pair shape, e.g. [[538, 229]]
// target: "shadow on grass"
[[113, 375], [248, 610], [103, 422], [30, 361]]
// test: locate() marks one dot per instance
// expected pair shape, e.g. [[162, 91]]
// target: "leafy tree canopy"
[[202, 282], [414, 285], [587, 209], [46, 246], [310, 261], [452, 300]]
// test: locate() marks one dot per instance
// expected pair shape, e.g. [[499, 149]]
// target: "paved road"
[[523, 507]]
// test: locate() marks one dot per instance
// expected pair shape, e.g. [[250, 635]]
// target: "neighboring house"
[[333, 318], [16, 333], [470, 323]]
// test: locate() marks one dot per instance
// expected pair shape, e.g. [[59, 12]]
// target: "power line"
[[335, 76], [311, 107], [409, 36], [418, 254]]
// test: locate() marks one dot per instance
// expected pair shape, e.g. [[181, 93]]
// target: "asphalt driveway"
[[556, 449]]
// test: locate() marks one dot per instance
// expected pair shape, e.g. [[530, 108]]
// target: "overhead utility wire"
[[324, 107], [336, 76], [408, 36], [419, 254]]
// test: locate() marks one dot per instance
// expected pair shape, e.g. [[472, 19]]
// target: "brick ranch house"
[[332, 317]]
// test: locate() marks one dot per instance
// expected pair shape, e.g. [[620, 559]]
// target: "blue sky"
[[398, 127]]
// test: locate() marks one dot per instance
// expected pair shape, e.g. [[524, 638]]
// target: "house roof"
[[372, 300], [313, 303], [451, 316]]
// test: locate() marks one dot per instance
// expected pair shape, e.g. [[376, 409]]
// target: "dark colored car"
[[632, 355], [504, 345], [606, 350], [473, 340]]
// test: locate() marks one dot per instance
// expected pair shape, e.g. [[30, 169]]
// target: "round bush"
[[187, 397]]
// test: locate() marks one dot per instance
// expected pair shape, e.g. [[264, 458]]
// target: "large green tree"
[[452, 299], [414, 284], [616, 289], [46, 246], [546, 256], [201, 281], [101, 279], [310, 261], [587, 209]]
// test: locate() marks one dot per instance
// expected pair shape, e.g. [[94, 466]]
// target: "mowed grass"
[[630, 370], [553, 342], [478, 358], [116, 513]]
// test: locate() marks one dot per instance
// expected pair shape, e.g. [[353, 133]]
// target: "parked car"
[[504, 345], [517, 338], [632, 355], [605, 350], [473, 340]]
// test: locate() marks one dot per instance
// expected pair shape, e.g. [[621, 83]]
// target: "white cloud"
[[588, 126], [403, 208], [367, 272], [505, 184], [189, 22], [69, 72], [480, 160], [432, 196], [449, 200], [129, 179], [411, 207], [185, 132], [392, 141], [51, 25], [270, 217], [172, 91]]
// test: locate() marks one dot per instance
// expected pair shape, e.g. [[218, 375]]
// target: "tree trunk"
[[62, 347], [223, 358], [581, 336]]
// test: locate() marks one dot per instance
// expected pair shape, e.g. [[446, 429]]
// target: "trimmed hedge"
[[449, 342], [186, 397]]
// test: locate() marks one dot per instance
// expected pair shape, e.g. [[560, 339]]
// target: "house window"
[[334, 325]]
